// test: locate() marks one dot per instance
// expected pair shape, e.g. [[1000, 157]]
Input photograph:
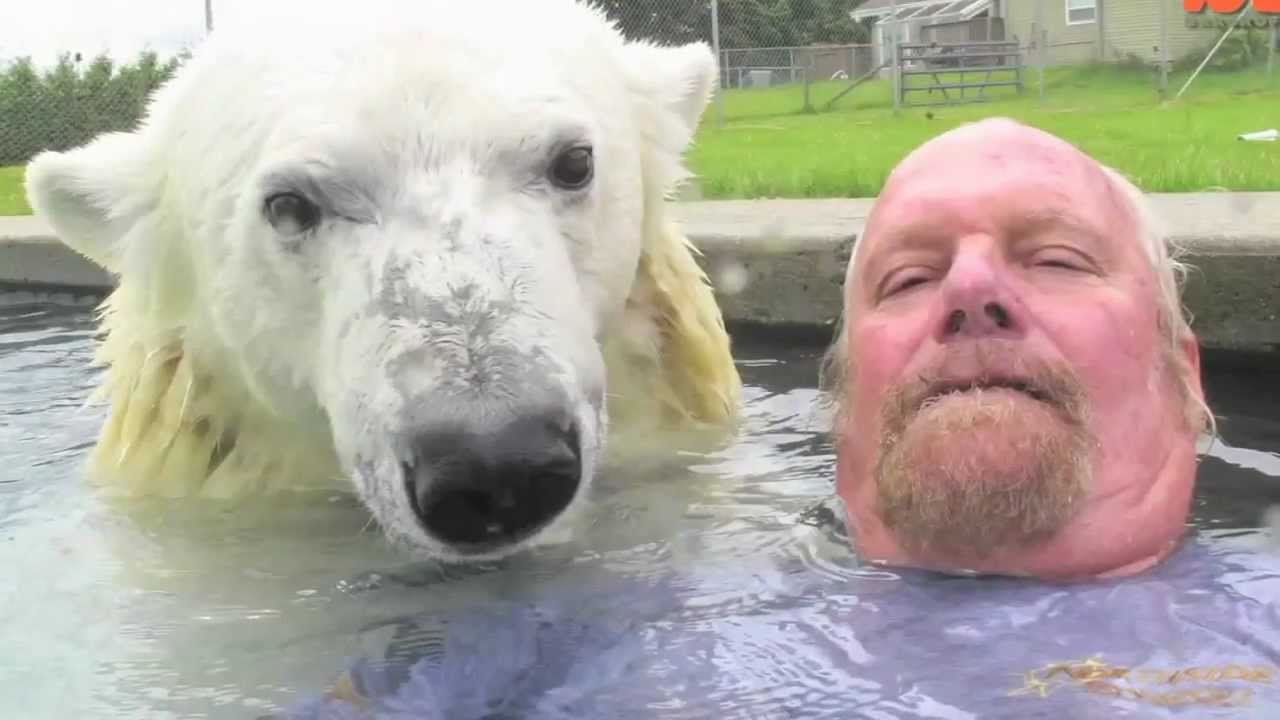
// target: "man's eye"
[[903, 282], [908, 283], [1057, 264], [1061, 261]]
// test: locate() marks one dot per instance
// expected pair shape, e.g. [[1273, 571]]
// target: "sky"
[[121, 28]]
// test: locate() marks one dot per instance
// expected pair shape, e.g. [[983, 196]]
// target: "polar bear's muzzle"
[[479, 491], [466, 392]]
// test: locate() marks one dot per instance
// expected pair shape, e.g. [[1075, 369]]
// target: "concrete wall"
[[781, 263]]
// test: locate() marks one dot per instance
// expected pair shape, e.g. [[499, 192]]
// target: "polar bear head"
[[401, 241]]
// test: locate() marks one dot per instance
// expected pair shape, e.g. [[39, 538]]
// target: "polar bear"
[[424, 254]]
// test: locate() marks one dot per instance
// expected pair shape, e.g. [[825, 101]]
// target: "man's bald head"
[[1015, 376]]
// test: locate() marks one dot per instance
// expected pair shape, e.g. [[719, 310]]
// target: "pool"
[[716, 586]]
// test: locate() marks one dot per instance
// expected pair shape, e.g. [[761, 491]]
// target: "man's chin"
[[973, 477]]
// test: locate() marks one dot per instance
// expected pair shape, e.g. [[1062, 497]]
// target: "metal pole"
[[897, 78], [208, 16], [1271, 48], [1164, 50], [1100, 18], [1209, 56], [808, 106], [894, 27], [715, 46], [1041, 40]]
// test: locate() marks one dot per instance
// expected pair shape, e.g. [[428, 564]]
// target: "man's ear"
[[1189, 347], [1191, 356], [679, 79], [91, 195]]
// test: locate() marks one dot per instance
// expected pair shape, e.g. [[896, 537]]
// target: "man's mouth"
[[955, 387]]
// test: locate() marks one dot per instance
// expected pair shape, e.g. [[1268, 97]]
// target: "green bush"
[[67, 106], [1241, 50]]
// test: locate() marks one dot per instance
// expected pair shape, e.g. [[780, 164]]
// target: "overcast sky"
[[121, 28]]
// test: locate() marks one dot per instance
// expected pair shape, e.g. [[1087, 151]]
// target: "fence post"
[[806, 73], [1271, 48], [897, 77], [715, 47], [208, 16], [1164, 50], [1100, 19], [1042, 42]]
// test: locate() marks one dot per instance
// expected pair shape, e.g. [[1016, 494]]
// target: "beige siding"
[[1133, 29], [1068, 44]]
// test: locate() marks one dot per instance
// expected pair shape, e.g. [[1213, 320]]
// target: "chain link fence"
[[777, 57], [775, 47], [1160, 38], [69, 103]]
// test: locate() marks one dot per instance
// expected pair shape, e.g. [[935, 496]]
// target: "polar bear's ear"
[[680, 79], [90, 194]]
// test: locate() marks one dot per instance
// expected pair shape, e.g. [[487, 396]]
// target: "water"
[[716, 587]]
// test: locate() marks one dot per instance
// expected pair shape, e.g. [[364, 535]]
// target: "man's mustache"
[[988, 364]]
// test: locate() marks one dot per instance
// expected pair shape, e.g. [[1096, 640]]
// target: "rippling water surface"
[[714, 588]]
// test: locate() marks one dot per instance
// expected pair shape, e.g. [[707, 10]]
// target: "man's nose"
[[977, 301]]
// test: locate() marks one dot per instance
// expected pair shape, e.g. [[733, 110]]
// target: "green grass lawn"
[[768, 147], [12, 198]]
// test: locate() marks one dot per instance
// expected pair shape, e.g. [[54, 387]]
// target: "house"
[[1107, 30], [930, 20], [1075, 31]]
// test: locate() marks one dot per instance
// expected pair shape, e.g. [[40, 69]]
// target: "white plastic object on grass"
[[1262, 135]]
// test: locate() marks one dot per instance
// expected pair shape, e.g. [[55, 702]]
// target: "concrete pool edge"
[[789, 257]]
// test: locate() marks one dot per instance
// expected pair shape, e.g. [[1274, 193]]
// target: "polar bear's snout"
[[478, 491], [470, 421]]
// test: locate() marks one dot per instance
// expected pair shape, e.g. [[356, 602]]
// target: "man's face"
[[1012, 396]]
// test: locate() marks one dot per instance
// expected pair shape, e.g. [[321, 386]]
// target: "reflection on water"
[[711, 587]]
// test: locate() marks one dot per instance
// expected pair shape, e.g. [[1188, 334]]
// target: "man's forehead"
[[992, 145], [993, 168]]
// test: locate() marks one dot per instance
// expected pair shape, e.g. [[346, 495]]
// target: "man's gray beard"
[[983, 471]]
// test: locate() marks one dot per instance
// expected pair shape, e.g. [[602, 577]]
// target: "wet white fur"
[[299, 362]]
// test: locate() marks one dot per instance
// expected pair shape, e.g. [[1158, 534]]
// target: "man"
[[1018, 390]]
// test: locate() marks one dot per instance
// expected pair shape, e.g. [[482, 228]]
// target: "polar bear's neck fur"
[[178, 428]]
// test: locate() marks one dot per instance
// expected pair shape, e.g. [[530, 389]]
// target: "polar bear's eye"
[[290, 213], [573, 168]]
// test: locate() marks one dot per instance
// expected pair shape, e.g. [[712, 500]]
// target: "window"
[[1081, 11]]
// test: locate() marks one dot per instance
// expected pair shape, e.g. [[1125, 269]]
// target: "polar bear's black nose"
[[479, 491]]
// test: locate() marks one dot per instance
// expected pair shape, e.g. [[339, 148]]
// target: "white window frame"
[[1080, 5]]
